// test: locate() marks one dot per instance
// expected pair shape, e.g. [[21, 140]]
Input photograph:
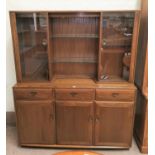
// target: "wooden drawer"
[[115, 95], [75, 94], [33, 94]]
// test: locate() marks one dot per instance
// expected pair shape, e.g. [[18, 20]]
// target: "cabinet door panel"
[[32, 39], [35, 120], [113, 124], [116, 45], [74, 122]]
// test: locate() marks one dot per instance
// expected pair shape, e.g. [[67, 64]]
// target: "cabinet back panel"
[[74, 48], [77, 69], [75, 25]]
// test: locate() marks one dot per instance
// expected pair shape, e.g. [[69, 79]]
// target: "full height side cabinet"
[[75, 78], [141, 81]]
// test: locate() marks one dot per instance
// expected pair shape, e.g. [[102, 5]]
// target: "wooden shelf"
[[29, 31], [113, 50], [78, 76], [75, 36], [75, 60], [112, 78]]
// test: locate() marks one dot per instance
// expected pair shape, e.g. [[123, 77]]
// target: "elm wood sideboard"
[[75, 74], [57, 115]]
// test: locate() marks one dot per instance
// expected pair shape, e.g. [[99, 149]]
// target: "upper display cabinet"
[[98, 45]]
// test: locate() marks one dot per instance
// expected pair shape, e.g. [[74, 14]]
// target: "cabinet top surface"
[[75, 83]]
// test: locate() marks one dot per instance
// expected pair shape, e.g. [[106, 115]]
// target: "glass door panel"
[[32, 37], [117, 29]]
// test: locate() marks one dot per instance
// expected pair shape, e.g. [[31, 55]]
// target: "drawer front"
[[75, 94], [33, 94], [115, 95]]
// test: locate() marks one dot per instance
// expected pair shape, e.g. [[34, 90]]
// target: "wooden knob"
[[33, 93], [73, 94]]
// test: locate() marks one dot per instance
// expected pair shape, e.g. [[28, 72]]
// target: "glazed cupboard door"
[[117, 34], [35, 120], [113, 123], [30, 40], [74, 122]]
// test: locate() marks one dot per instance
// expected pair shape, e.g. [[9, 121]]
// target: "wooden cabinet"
[[141, 81], [113, 123], [100, 45], [36, 122], [74, 122], [75, 73]]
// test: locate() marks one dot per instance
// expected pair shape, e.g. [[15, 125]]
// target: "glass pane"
[[32, 35], [117, 29]]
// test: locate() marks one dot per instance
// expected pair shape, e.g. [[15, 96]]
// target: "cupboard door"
[[141, 121], [35, 120], [116, 44], [113, 123], [32, 39], [74, 122]]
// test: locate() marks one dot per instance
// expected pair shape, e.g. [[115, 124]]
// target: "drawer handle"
[[33, 93], [97, 119], [51, 116], [73, 94], [90, 118], [115, 94]]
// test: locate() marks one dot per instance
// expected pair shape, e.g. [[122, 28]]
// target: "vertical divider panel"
[[145, 78], [50, 56], [134, 46], [16, 46], [100, 46]]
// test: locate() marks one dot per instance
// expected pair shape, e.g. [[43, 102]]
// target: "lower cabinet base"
[[75, 146], [64, 117], [142, 148]]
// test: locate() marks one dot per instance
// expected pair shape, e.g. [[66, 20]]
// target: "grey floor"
[[12, 147]]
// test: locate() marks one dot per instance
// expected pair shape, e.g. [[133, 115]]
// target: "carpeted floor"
[[12, 147]]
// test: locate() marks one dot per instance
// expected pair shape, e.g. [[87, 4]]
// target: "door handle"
[[73, 94], [97, 119], [33, 93], [90, 118], [51, 116], [115, 94]]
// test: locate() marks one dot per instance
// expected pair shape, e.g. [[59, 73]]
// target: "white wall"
[[52, 5]]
